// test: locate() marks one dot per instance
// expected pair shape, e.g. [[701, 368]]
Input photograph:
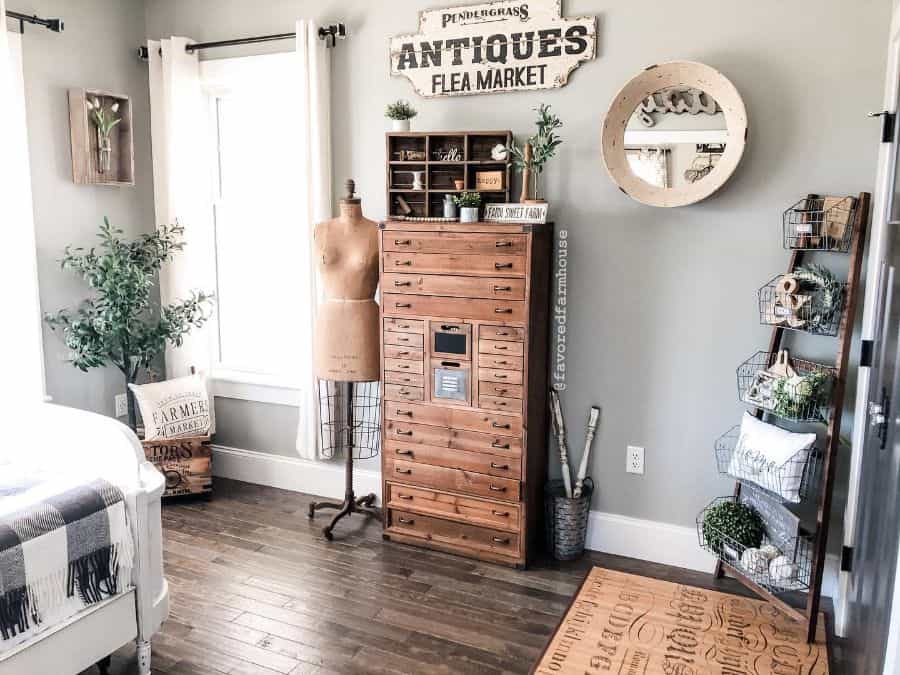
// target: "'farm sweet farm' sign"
[[506, 45]]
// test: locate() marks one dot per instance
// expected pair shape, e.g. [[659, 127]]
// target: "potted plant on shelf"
[[531, 157], [400, 113], [121, 325], [468, 203]]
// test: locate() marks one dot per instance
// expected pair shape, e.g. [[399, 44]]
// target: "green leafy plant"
[[799, 398], [819, 278], [105, 120], [729, 523], [543, 142], [121, 325], [400, 110], [467, 200]]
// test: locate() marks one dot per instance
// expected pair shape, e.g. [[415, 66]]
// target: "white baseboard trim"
[[323, 479], [650, 540]]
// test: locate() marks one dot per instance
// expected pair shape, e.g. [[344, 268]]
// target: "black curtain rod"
[[328, 33], [56, 25]]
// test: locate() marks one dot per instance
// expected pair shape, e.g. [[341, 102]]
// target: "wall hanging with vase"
[[101, 138]]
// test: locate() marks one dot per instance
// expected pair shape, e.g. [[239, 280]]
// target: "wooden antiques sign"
[[515, 213], [504, 45], [186, 464], [623, 624]]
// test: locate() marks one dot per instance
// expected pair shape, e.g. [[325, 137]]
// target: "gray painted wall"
[[96, 50], [662, 302]]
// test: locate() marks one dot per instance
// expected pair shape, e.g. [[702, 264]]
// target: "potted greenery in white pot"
[[400, 113], [468, 203]]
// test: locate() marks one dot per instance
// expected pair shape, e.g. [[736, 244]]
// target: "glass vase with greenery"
[[121, 324], [536, 151]]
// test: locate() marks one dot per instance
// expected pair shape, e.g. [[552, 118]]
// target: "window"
[[257, 230]]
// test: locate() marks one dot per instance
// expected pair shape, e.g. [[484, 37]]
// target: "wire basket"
[[815, 309], [567, 519], [794, 481], [801, 399], [789, 572], [820, 224], [349, 421]]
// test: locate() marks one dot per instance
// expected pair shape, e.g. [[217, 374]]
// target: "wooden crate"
[[186, 464], [83, 133]]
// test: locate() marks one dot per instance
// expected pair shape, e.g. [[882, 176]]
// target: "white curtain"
[[24, 370], [182, 187], [314, 198]]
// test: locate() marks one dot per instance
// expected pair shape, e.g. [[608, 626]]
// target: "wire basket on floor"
[[801, 399], [349, 421], [790, 571], [794, 481], [810, 308], [820, 224], [567, 519]]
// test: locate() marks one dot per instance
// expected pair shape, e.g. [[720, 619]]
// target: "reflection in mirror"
[[675, 137]]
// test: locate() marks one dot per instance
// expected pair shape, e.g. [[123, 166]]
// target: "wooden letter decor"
[[504, 45]]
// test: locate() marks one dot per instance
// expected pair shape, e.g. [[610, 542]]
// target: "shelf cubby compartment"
[[401, 177], [800, 399], [442, 176], [810, 309], [407, 147], [482, 144], [449, 148], [798, 477], [792, 574], [415, 200], [820, 224]]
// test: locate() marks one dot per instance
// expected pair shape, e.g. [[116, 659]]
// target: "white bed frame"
[[98, 631]]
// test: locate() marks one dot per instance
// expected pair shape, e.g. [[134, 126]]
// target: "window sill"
[[254, 387]]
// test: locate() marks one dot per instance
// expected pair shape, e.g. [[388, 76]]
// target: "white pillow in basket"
[[773, 458], [175, 408]]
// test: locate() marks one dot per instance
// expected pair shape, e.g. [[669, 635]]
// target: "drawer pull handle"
[[402, 325], [497, 488], [404, 305], [501, 514], [502, 244], [502, 391], [501, 347], [402, 339], [402, 242], [405, 472], [500, 376], [504, 467], [498, 540], [500, 446], [450, 364], [497, 425], [402, 353], [503, 266], [405, 392], [404, 366], [501, 289], [408, 453], [401, 263], [502, 363], [408, 497], [503, 333], [400, 432], [405, 413], [450, 327], [402, 283], [406, 521], [502, 310]]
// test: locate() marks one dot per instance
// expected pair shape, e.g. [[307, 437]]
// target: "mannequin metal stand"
[[351, 503]]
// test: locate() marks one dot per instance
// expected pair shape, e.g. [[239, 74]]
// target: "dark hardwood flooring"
[[255, 588]]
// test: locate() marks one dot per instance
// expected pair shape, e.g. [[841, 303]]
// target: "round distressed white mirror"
[[674, 134]]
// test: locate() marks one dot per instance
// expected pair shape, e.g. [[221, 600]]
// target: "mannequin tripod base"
[[351, 504]]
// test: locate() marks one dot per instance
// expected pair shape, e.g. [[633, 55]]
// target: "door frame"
[[877, 253]]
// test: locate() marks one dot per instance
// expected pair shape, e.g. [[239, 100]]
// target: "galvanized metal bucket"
[[567, 519]]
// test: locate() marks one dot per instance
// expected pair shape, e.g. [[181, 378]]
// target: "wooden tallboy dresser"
[[465, 314]]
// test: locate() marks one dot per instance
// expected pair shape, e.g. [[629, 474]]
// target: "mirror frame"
[[652, 79]]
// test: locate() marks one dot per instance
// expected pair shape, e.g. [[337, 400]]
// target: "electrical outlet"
[[121, 405], [634, 460]]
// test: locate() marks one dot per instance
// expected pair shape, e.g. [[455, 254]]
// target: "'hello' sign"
[[505, 45]]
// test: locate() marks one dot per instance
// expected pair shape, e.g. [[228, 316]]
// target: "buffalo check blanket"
[[60, 539]]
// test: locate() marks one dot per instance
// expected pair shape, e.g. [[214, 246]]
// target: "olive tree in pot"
[[468, 203], [121, 325]]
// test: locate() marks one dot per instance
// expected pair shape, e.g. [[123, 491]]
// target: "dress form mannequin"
[[347, 339]]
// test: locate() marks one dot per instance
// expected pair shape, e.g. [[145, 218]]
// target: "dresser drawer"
[[402, 392], [405, 353], [455, 418], [492, 465], [455, 480], [471, 510], [404, 325], [416, 340], [459, 308], [458, 535], [458, 286], [404, 366], [507, 405], [455, 263], [500, 347], [502, 390], [501, 333], [391, 377], [406, 433], [501, 362], [450, 242], [502, 376]]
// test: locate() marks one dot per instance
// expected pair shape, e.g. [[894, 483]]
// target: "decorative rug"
[[632, 625]]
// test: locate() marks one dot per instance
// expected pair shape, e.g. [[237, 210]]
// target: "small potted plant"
[[468, 203], [400, 113], [531, 157]]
